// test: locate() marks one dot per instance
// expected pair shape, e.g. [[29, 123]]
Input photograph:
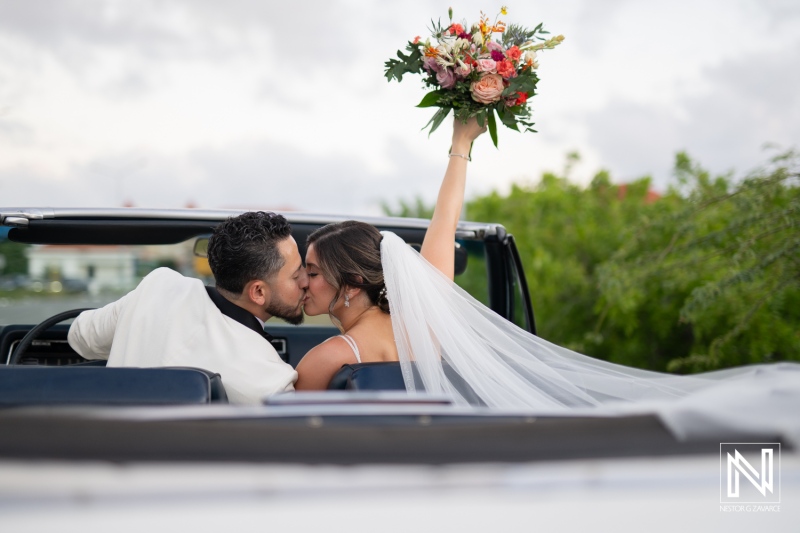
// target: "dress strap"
[[349, 340]]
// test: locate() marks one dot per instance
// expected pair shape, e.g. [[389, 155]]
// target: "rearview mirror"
[[201, 247]]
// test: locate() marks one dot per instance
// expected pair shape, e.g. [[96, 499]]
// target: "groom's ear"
[[258, 292]]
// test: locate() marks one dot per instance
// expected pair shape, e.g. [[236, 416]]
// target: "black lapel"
[[242, 316]]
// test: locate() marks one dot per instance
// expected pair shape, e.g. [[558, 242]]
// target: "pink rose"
[[463, 71], [446, 78], [491, 45], [487, 65], [430, 64], [487, 89]]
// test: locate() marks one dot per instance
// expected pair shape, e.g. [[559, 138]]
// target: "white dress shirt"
[[170, 320]]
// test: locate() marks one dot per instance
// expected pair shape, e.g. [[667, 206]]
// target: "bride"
[[393, 304], [346, 275]]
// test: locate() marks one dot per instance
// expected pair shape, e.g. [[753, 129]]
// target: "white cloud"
[[185, 97]]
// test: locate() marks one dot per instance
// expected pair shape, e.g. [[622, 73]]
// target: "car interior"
[[40, 368]]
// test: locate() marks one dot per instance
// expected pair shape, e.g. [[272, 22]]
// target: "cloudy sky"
[[262, 104]]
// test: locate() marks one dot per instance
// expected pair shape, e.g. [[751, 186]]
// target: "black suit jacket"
[[240, 315]]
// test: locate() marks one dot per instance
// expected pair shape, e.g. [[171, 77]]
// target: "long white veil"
[[449, 343]]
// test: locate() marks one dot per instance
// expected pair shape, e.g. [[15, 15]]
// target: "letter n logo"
[[747, 472]]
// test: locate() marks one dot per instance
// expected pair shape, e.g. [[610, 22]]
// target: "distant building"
[[101, 267]]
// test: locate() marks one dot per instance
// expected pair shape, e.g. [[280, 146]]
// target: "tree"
[[723, 270], [564, 232], [704, 276], [16, 262]]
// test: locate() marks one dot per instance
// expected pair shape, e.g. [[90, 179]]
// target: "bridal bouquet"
[[477, 70]]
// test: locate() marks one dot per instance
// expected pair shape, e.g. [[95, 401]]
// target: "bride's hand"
[[464, 134]]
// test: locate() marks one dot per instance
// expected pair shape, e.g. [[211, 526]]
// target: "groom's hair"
[[245, 247], [349, 255]]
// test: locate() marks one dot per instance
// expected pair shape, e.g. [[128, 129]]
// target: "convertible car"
[[86, 447]]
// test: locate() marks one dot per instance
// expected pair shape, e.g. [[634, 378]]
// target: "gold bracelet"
[[468, 158]]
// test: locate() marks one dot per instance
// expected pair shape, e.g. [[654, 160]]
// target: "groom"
[[172, 320]]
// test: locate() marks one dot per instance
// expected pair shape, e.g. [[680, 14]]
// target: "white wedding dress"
[[449, 343]]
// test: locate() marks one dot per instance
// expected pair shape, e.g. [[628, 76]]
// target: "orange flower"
[[484, 25], [430, 51], [521, 98], [506, 69], [456, 29], [514, 53], [416, 39]]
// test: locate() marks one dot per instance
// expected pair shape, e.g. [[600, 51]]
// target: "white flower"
[[448, 40], [530, 56], [462, 44], [445, 61]]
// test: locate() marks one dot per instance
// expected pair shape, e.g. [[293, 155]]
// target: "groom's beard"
[[292, 315]]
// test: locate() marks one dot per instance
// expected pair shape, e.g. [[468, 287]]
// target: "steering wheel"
[[43, 326]]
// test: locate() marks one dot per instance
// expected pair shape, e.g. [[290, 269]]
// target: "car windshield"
[[39, 281]]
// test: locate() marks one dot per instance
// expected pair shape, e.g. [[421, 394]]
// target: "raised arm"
[[439, 244]]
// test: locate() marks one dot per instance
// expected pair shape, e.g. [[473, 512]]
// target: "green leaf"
[[437, 119], [408, 63], [481, 118], [430, 99], [525, 83], [492, 126], [507, 118]]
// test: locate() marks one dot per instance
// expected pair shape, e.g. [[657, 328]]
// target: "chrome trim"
[[465, 229], [24, 213], [16, 222]]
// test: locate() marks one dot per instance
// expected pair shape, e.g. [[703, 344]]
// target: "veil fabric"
[[449, 343]]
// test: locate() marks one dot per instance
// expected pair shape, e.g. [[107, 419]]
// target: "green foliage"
[[516, 35], [411, 62], [16, 262], [704, 276], [564, 232], [725, 267]]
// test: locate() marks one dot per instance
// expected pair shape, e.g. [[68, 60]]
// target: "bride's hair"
[[349, 255]]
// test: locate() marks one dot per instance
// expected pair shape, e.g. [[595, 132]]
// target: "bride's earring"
[[347, 300]]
